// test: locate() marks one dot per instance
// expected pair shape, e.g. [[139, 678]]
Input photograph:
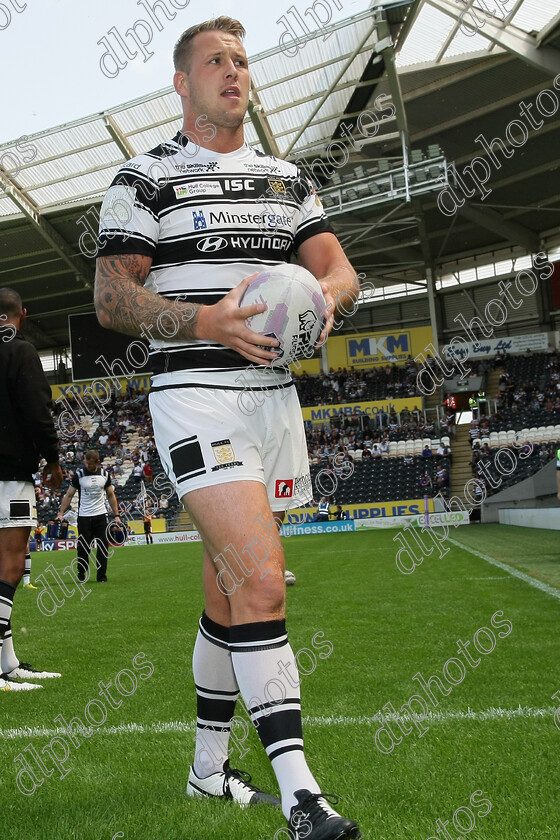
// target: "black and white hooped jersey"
[[207, 220], [91, 491]]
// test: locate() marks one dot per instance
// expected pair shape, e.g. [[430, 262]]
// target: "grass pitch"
[[486, 764]]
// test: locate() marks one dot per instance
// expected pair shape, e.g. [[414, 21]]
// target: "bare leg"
[[244, 571]]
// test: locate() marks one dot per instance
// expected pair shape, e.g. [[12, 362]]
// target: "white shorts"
[[205, 439], [17, 504]]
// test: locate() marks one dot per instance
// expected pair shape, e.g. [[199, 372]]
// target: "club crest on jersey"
[[278, 187], [284, 488], [224, 454]]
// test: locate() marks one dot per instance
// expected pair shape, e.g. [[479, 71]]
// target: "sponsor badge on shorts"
[[284, 488]]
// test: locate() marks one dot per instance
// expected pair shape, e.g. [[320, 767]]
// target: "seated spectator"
[[442, 479], [426, 452], [425, 484], [543, 454], [474, 432], [375, 451]]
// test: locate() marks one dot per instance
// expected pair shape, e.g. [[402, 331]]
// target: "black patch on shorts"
[[186, 458], [19, 510]]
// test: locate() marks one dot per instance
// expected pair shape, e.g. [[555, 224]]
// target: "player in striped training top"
[[183, 228], [92, 483]]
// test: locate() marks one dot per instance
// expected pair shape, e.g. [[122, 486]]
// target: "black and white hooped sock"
[[8, 659], [216, 695], [268, 679]]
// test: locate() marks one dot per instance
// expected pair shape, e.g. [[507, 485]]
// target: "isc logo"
[[385, 346], [238, 184]]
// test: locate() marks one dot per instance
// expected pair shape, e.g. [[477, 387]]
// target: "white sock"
[[8, 658], [217, 693], [27, 572], [268, 678]]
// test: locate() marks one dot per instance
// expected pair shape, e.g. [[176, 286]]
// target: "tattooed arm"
[[123, 304]]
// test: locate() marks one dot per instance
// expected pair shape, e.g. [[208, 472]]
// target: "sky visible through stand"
[[50, 58]]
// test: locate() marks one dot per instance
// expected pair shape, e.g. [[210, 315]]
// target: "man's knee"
[[268, 593]]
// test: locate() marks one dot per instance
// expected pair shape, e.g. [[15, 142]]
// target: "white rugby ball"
[[290, 578], [295, 312]]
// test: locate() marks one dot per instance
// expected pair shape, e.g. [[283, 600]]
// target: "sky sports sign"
[[378, 349]]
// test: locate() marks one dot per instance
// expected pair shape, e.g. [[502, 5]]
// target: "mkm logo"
[[377, 349]]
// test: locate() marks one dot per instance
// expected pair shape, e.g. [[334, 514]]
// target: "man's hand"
[[224, 322], [330, 307], [52, 476]]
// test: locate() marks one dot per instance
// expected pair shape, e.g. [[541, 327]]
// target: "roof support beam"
[[77, 264], [512, 39], [549, 30], [118, 137], [260, 122], [347, 64], [511, 231], [451, 78]]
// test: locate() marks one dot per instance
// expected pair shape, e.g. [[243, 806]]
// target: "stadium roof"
[[436, 74]]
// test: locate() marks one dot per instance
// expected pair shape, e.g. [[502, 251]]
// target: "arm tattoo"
[[123, 304]]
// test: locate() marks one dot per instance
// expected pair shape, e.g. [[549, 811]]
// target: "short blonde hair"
[[183, 47]]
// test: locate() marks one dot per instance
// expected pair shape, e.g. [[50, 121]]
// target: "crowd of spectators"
[[124, 438], [528, 398]]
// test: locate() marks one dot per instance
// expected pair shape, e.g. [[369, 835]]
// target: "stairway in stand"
[[433, 400], [182, 522], [461, 470], [492, 383]]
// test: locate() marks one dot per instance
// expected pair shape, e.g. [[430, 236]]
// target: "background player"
[[27, 433], [91, 482], [203, 212], [147, 520]]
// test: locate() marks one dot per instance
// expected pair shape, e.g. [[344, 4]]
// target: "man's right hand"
[[224, 322]]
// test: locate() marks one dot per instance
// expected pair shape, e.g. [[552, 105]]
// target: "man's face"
[[217, 83], [91, 464]]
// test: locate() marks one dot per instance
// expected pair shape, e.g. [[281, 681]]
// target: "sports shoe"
[[232, 784], [7, 684], [102, 579], [29, 586], [24, 671], [313, 819]]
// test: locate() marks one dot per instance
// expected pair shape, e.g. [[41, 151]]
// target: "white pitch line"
[[177, 726], [538, 584]]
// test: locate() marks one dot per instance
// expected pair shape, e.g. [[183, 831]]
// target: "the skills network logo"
[[378, 349]]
